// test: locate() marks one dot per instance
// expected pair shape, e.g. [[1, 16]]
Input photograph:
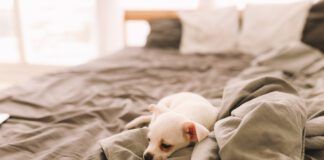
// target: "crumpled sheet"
[[64, 115]]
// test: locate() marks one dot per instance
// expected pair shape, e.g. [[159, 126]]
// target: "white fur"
[[171, 118]]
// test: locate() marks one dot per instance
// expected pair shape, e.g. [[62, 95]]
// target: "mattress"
[[64, 115]]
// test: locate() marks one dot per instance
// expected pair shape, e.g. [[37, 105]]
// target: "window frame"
[[20, 34]]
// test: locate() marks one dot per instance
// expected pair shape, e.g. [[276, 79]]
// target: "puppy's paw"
[[138, 122], [130, 125]]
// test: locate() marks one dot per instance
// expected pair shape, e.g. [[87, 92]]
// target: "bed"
[[271, 104]]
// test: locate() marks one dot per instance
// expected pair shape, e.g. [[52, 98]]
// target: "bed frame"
[[155, 14], [150, 14]]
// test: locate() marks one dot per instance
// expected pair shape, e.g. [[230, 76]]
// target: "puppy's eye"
[[166, 146], [149, 139]]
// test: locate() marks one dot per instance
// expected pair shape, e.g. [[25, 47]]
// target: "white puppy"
[[177, 121]]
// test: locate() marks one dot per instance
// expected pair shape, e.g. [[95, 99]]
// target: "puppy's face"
[[170, 132]]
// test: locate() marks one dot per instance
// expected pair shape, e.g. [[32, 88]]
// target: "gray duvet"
[[76, 113], [272, 110]]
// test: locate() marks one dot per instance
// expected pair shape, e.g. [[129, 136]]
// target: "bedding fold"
[[130, 145], [263, 118], [272, 110], [304, 69]]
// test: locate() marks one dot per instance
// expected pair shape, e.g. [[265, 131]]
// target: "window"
[[8, 40], [60, 32], [136, 32]]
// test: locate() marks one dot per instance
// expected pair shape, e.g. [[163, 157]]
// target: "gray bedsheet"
[[64, 115]]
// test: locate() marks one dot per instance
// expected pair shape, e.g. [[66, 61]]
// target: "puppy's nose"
[[148, 156]]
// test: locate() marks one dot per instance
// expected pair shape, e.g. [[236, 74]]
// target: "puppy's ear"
[[156, 109], [195, 132]]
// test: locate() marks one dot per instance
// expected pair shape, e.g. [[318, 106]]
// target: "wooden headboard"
[[150, 14], [156, 14]]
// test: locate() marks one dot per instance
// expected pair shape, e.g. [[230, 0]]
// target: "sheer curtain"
[[111, 26]]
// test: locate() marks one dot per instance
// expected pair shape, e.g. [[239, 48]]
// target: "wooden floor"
[[11, 74]]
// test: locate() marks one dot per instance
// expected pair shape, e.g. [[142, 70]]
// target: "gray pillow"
[[165, 33], [313, 33]]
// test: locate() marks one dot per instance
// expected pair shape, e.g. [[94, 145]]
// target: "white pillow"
[[266, 26], [209, 31]]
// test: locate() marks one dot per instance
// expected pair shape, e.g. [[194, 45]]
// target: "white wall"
[[111, 26]]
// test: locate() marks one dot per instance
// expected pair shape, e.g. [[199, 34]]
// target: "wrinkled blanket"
[[272, 110], [64, 115]]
